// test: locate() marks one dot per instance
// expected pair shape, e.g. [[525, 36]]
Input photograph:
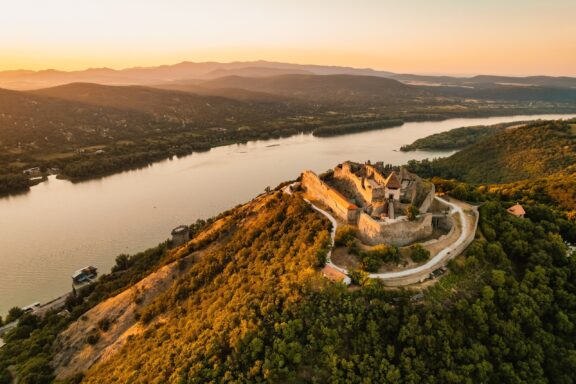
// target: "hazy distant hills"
[[330, 89], [158, 102], [84, 112], [87, 112], [369, 90], [188, 71], [25, 80], [257, 72]]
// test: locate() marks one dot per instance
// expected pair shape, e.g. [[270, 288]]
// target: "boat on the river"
[[85, 274], [31, 308]]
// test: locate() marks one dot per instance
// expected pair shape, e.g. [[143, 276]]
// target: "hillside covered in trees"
[[458, 138], [246, 303], [536, 150]]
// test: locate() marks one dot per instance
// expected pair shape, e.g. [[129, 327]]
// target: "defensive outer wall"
[[420, 274], [397, 232]]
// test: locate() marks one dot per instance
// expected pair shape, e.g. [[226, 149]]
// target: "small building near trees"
[[335, 275], [517, 210]]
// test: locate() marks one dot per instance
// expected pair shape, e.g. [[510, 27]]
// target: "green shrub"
[[412, 212], [358, 277], [14, 314], [373, 259], [419, 254], [370, 262], [344, 235]]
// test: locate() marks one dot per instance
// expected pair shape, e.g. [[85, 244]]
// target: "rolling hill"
[[533, 151], [256, 72], [90, 130], [458, 138], [510, 93], [326, 89], [85, 114], [39, 121], [160, 103], [544, 81]]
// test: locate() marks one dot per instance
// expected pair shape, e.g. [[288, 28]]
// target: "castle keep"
[[375, 198]]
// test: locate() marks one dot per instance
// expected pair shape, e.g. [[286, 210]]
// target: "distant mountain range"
[[26, 80], [189, 71]]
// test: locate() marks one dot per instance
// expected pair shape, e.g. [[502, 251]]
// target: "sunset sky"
[[512, 37]]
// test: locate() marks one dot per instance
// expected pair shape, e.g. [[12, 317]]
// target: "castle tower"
[[393, 186]]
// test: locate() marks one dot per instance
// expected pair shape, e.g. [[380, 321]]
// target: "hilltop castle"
[[375, 199]]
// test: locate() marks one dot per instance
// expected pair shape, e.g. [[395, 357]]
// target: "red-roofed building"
[[335, 275], [517, 210]]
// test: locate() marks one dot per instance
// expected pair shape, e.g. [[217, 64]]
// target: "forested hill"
[[168, 103], [347, 89], [457, 138], [244, 302], [536, 150]]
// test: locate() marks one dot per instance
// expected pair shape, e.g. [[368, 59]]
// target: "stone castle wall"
[[418, 277], [425, 206], [372, 231], [372, 171], [345, 173], [399, 233], [318, 190]]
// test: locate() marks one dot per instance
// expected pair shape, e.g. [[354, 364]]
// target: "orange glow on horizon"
[[447, 37]]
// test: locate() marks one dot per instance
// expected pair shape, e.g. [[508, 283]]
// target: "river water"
[[60, 226]]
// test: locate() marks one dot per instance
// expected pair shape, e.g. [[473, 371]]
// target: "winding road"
[[439, 260]]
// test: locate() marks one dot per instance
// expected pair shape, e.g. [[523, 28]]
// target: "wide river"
[[60, 226]]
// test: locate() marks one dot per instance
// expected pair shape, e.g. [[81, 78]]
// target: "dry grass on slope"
[[75, 354]]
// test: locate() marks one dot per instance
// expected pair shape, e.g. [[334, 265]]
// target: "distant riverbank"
[[98, 161]]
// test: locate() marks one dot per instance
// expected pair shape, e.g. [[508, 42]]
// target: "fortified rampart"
[[318, 190], [399, 232], [380, 211], [416, 190], [368, 189], [428, 200], [420, 276], [371, 171]]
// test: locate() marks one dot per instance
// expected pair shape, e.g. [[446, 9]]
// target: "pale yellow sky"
[[418, 36]]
